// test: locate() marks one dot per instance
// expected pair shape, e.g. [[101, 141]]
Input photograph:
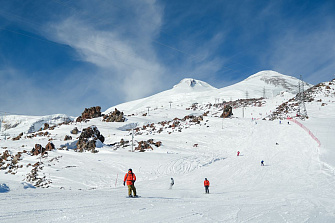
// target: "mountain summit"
[[266, 83], [273, 78], [190, 84]]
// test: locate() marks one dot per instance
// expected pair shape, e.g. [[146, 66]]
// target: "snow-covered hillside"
[[11, 124], [295, 185], [265, 83]]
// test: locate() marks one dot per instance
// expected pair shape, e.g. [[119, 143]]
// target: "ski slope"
[[296, 184], [293, 186]]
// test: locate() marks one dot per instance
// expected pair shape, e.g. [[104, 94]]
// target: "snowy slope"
[[295, 185], [190, 91], [292, 187], [28, 124], [269, 82], [186, 92]]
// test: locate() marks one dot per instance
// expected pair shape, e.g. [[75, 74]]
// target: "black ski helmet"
[[130, 170]]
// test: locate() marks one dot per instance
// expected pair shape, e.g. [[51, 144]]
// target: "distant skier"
[[130, 178], [206, 184], [171, 183], [262, 163], [238, 153]]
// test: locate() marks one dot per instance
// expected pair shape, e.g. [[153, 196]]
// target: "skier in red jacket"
[[206, 184], [130, 178]]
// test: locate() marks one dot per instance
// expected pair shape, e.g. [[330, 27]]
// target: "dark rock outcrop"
[[115, 116], [75, 131], [49, 147], [192, 118], [145, 145], [46, 126], [67, 137], [88, 138], [227, 111], [38, 149], [89, 113], [18, 137]]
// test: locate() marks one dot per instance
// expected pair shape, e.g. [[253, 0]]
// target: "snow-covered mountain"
[[188, 143], [188, 85], [265, 83], [270, 83], [321, 95], [30, 124]]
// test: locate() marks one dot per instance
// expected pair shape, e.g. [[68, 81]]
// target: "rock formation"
[[67, 137], [88, 138], [46, 126], [89, 113], [227, 111], [115, 116], [38, 149], [75, 131], [18, 137], [144, 145]]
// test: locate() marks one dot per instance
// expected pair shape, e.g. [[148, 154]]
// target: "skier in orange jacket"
[[206, 184], [130, 178]]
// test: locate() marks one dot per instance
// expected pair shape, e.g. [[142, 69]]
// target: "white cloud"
[[122, 54]]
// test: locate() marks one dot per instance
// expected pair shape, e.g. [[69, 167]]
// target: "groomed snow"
[[293, 186]]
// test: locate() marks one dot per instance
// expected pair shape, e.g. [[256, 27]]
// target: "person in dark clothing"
[[171, 183]]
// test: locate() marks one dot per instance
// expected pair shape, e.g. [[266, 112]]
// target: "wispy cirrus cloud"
[[118, 49], [123, 55]]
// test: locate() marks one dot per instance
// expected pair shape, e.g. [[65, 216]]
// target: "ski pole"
[[117, 175]]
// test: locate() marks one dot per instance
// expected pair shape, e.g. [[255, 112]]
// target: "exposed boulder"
[[38, 149], [89, 113], [88, 139], [115, 116], [145, 145], [75, 131], [67, 137], [158, 144], [124, 143], [227, 111], [18, 137], [193, 118], [4, 156], [49, 147], [46, 126]]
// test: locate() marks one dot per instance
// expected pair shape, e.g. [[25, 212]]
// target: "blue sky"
[[60, 56]]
